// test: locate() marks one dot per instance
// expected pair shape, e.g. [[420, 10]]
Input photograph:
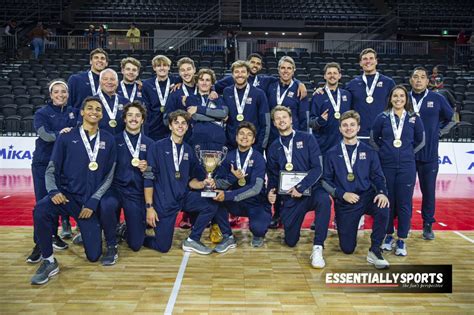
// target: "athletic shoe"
[[66, 230], [215, 235], [35, 255], [77, 240], [227, 243], [58, 243], [313, 226], [196, 246], [120, 232], [376, 259], [257, 241], [275, 223], [317, 259], [233, 220], [110, 257], [45, 271], [400, 248], [428, 233], [388, 243], [185, 222]]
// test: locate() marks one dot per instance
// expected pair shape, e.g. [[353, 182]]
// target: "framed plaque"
[[291, 179]]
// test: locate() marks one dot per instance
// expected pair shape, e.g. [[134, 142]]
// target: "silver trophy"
[[210, 159]]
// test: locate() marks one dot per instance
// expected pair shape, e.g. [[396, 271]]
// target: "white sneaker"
[[317, 259], [361, 222]]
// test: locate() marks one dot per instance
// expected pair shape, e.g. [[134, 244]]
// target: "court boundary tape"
[[464, 236], [177, 284]]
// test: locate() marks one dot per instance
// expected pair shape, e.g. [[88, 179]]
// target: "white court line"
[[442, 224], [177, 284], [6, 197], [464, 236]]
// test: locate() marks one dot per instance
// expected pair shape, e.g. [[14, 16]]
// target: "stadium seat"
[[12, 125], [9, 109]]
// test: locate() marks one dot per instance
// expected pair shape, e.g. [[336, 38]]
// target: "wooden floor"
[[273, 279]]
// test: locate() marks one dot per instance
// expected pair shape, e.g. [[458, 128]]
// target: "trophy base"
[[208, 194]]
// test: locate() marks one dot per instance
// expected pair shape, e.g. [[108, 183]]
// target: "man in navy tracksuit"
[[242, 178], [259, 81], [246, 103], [112, 102], [354, 178], [397, 134], [296, 151], [369, 92], [130, 87], [79, 173], [437, 116], [86, 83], [49, 123], [155, 95], [327, 108], [127, 187], [173, 170]]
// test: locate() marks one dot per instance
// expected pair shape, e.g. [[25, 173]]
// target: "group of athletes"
[[106, 144]]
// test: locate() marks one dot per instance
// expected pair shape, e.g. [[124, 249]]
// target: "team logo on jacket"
[[185, 156], [429, 104], [362, 156], [248, 101], [299, 144], [380, 84], [71, 116], [212, 105], [250, 163], [344, 98], [290, 94], [412, 120], [143, 147], [139, 94], [102, 145], [120, 106]]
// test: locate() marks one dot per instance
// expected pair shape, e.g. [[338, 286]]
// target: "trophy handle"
[[197, 149], [224, 154]]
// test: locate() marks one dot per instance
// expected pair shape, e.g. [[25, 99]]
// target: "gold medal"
[[350, 177], [289, 166], [369, 99], [113, 123], [93, 166], [135, 162], [397, 143], [337, 115], [177, 175], [242, 182], [162, 109], [240, 117]]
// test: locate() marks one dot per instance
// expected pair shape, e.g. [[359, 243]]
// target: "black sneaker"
[[313, 226], [35, 255], [428, 233], [110, 257], [77, 239], [120, 232], [275, 223], [58, 243], [45, 271], [66, 232]]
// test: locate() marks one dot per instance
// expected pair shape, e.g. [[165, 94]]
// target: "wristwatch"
[[148, 205]]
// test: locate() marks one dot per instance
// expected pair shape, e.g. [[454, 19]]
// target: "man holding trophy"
[[242, 178], [174, 170], [294, 167]]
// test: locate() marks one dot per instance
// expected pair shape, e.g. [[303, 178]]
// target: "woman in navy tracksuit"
[[398, 133], [55, 118]]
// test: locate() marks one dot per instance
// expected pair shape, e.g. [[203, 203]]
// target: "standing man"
[[230, 48], [327, 108], [172, 175], [353, 176], [86, 83], [133, 35], [242, 178], [127, 187], [246, 103], [155, 94], [112, 102], [297, 152], [130, 87], [436, 115], [79, 173]]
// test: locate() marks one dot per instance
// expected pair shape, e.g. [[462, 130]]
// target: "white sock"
[[190, 239], [50, 258]]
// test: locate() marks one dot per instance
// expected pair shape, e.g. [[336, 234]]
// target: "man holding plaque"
[[111, 101], [242, 178], [127, 187], [79, 173], [294, 166], [173, 170], [353, 176], [246, 103]]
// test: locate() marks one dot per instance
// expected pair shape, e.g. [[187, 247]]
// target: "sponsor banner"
[[16, 152], [446, 158], [464, 157], [397, 279]]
